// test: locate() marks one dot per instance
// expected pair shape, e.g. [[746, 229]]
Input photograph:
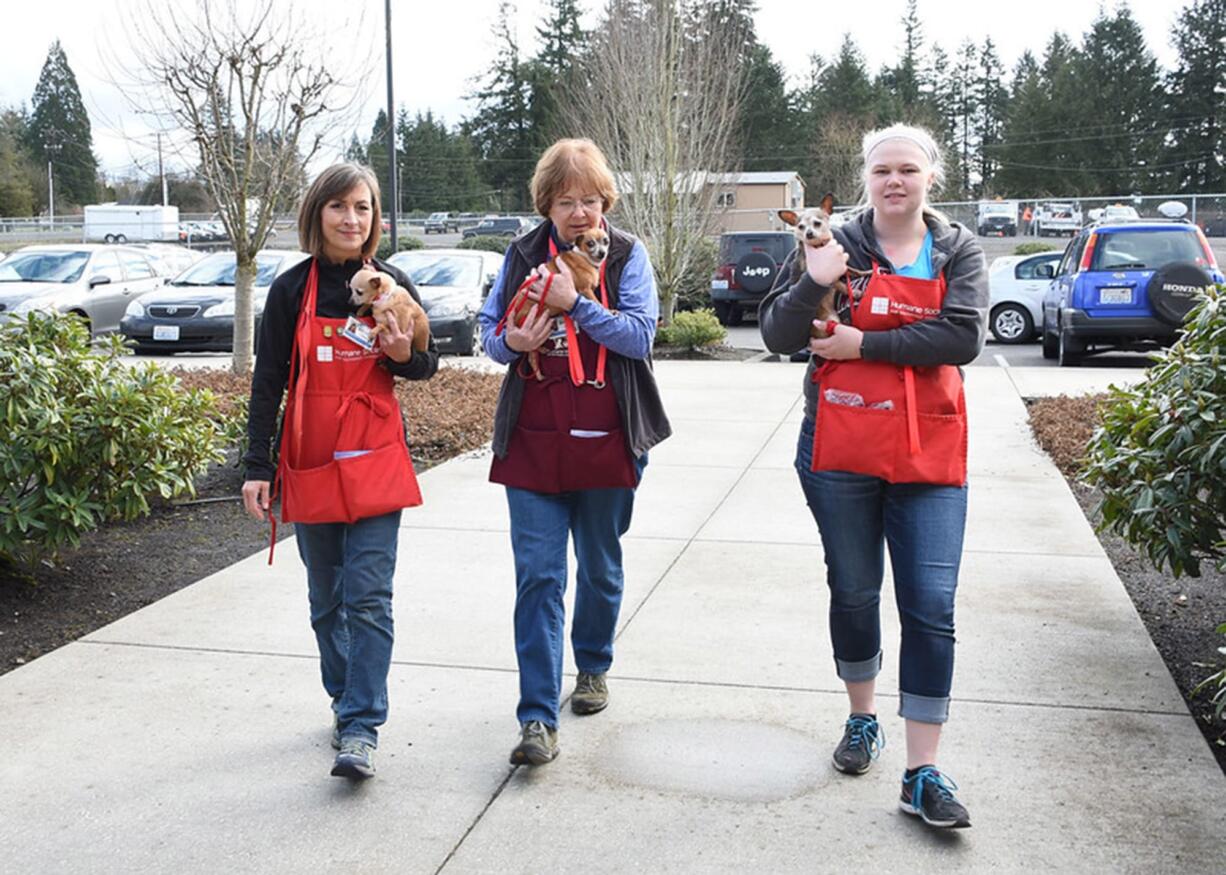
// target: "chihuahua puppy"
[[811, 227], [583, 261], [377, 292]]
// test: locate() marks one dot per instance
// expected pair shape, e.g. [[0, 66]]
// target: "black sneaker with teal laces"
[[863, 739], [929, 795], [355, 759]]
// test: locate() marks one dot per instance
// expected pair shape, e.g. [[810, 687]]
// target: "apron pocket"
[[378, 482], [861, 440], [600, 462], [533, 461], [312, 495], [942, 459]]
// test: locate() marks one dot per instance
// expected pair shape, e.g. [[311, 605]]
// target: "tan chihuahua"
[[811, 227], [377, 292]]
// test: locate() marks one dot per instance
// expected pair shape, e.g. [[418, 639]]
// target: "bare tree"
[[245, 83], [662, 92]]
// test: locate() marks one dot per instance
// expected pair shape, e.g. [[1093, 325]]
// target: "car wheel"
[[1051, 346], [1011, 323], [1172, 291], [470, 348], [109, 238], [120, 238], [1069, 350], [723, 311]]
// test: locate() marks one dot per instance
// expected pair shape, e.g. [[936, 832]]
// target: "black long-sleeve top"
[[276, 341]]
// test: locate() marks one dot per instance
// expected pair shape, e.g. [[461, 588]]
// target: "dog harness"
[[343, 453], [902, 423]]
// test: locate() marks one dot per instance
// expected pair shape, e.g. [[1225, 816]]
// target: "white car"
[[1016, 284]]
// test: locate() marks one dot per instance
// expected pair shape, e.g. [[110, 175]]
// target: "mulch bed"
[[122, 567], [1180, 614]]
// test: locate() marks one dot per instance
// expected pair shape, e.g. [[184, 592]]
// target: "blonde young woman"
[[882, 450]]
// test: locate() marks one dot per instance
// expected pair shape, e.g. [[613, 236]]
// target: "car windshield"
[[219, 270], [1146, 250], [440, 270], [777, 246], [44, 267]]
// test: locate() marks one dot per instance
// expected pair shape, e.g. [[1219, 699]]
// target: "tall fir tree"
[[16, 179], [991, 99], [768, 138], [1196, 99], [907, 77], [376, 159], [59, 131], [964, 108], [1023, 148]]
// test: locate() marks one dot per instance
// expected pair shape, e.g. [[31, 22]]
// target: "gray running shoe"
[[863, 739], [930, 796], [591, 694], [538, 744], [355, 760]]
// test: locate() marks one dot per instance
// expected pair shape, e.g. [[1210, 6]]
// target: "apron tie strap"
[[913, 436]]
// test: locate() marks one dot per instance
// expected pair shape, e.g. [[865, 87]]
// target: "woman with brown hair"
[[570, 447], [343, 473]]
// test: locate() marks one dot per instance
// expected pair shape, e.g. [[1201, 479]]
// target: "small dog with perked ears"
[[811, 227], [583, 261], [377, 292]]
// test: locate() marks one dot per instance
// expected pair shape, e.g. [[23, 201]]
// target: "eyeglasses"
[[589, 204]]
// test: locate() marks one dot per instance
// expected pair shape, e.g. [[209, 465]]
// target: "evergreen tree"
[[906, 76], [1120, 113], [940, 98], [501, 130], [768, 138], [376, 158], [16, 182], [991, 99], [963, 110], [59, 130], [1196, 99], [841, 104], [1022, 148], [355, 151]]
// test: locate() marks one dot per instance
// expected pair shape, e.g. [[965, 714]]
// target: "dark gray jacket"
[[955, 337], [644, 422]]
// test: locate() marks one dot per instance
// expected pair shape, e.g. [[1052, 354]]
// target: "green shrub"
[[84, 438], [402, 244], [693, 329], [694, 287], [1217, 679], [1032, 247], [1159, 456], [485, 242]]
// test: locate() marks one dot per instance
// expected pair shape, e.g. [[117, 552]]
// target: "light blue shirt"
[[629, 332], [921, 268]]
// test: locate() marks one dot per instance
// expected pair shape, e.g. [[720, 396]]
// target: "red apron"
[[569, 433], [343, 451], [901, 423]]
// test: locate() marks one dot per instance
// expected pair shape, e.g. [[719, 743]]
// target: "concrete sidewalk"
[[193, 735]]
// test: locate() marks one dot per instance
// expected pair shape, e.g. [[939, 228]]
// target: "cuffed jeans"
[[923, 524], [541, 526], [349, 582]]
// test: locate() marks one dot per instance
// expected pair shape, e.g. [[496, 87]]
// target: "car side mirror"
[[99, 279], [1046, 271], [488, 285]]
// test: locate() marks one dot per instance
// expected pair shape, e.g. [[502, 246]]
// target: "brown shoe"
[[591, 694], [538, 744]]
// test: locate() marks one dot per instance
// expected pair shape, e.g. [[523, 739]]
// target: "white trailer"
[[119, 223], [1057, 218]]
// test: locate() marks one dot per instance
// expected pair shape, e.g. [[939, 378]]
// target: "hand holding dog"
[[826, 264], [562, 294], [256, 497], [843, 344], [397, 345], [536, 330]]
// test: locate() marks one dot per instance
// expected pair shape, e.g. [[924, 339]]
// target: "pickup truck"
[[1056, 219], [441, 223]]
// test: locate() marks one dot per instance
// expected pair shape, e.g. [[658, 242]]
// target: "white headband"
[[891, 134]]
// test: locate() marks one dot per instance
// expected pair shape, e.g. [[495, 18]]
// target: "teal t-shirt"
[[921, 268]]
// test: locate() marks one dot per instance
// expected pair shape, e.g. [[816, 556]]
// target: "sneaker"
[[538, 744], [591, 694], [930, 795], [336, 732], [355, 760], [863, 739]]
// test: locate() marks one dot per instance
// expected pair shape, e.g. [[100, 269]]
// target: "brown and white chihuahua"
[[583, 261], [811, 227], [378, 292]]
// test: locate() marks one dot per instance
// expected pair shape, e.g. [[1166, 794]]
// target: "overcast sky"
[[439, 47]]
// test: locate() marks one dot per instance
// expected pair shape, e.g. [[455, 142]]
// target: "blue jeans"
[[349, 582], [541, 526], [923, 524]]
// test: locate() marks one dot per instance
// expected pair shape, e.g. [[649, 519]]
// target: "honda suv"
[[749, 261], [1126, 286]]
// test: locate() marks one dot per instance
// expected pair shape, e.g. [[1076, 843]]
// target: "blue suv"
[[1124, 286]]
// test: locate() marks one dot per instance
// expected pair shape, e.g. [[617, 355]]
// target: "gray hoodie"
[[953, 338]]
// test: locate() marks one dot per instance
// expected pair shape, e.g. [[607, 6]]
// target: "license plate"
[[165, 332], [719, 284], [1115, 296]]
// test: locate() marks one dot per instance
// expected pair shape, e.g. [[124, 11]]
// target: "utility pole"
[[165, 199], [50, 196], [394, 198]]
